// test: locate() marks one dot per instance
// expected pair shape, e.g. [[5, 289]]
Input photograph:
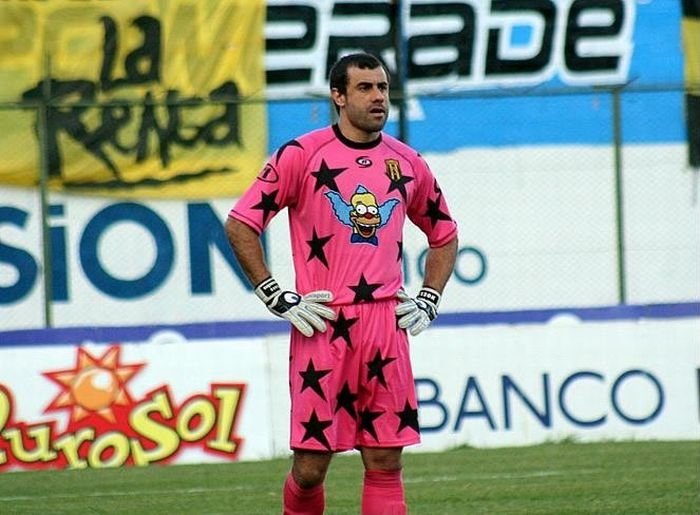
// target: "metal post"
[[42, 123], [400, 75], [619, 194]]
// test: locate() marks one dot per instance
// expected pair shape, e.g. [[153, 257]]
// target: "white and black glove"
[[416, 314], [305, 312]]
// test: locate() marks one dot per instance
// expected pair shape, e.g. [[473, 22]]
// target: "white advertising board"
[[537, 229], [528, 384], [173, 400], [168, 400]]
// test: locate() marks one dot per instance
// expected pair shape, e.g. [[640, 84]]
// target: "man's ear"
[[337, 97]]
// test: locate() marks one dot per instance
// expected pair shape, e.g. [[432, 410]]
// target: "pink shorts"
[[352, 386]]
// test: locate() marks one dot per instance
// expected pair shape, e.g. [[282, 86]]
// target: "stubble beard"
[[369, 124]]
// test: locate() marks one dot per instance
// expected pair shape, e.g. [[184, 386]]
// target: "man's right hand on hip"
[[305, 312]]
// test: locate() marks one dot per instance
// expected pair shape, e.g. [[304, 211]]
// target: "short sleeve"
[[428, 208], [274, 188]]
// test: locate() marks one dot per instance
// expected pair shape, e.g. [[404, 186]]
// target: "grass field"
[[606, 478]]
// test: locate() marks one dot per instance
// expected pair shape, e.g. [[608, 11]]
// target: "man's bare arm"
[[247, 248], [439, 264], [416, 314], [307, 313]]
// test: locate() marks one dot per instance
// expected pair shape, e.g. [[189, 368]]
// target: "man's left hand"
[[416, 314]]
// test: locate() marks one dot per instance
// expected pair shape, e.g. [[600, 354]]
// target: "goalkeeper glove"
[[416, 314], [306, 312]]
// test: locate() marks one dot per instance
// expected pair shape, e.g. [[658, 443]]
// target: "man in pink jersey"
[[349, 189]]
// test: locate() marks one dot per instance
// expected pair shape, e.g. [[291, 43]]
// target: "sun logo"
[[95, 386]]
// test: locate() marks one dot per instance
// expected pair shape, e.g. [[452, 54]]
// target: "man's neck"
[[354, 134], [354, 143]]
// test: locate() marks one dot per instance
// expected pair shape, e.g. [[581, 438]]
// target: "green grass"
[[563, 478]]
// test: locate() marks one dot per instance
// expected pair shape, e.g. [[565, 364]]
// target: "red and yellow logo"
[[94, 386], [107, 427]]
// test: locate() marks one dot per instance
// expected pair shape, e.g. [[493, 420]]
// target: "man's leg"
[[382, 490], [303, 488]]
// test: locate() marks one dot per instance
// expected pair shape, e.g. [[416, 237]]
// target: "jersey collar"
[[355, 144]]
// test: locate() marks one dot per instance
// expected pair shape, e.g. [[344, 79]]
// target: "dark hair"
[[339, 72]]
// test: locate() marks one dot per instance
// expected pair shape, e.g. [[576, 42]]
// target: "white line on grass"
[[504, 475], [436, 479], [196, 491], [187, 491]]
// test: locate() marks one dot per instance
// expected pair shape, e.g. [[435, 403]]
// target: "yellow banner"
[[157, 98], [690, 30]]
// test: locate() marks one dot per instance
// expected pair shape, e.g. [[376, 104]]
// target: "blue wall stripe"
[[260, 328]]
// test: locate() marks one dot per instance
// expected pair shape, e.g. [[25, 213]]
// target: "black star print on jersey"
[[346, 400], [400, 184], [409, 418], [312, 377], [434, 213], [315, 429], [376, 368], [364, 291], [291, 143], [341, 328], [326, 177], [316, 245], [267, 204], [367, 419]]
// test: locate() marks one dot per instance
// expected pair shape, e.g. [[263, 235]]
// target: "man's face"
[[366, 100]]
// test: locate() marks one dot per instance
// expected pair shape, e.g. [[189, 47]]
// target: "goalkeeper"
[[349, 189]]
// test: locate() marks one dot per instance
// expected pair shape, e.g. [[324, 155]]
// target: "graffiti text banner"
[[140, 98]]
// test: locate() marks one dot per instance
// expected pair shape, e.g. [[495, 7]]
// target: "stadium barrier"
[[108, 397]]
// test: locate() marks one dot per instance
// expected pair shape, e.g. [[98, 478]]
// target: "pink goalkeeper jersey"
[[347, 204]]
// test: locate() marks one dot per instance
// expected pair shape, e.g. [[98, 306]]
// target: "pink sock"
[[302, 501], [382, 493]]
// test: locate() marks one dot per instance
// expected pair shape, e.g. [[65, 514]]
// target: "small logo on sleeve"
[[268, 174]]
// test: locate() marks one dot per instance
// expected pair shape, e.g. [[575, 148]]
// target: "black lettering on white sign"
[[457, 44]]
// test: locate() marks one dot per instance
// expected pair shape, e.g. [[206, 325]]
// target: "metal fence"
[[615, 156]]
